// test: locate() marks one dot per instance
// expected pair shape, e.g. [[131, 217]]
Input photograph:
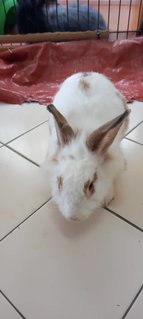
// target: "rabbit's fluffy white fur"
[[82, 179]]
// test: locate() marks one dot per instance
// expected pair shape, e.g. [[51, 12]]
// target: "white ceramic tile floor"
[[16, 120], [137, 134], [67, 270], [128, 202], [23, 188], [51, 268], [136, 115], [34, 144]]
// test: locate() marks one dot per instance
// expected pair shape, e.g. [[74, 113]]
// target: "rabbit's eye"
[[89, 189]]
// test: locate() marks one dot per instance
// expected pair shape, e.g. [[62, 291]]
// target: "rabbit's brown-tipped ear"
[[102, 138], [64, 131]]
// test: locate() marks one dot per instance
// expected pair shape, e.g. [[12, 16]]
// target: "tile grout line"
[[129, 139], [134, 128], [25, 219], [22, 155], [16, 309], [132, 303], [124, 219], [33, 128]]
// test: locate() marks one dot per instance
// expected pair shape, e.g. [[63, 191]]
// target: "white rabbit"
[[89, 118]]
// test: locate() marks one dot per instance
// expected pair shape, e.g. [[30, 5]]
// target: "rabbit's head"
[[79, 184]]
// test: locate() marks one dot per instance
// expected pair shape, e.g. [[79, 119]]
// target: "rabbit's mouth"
[[74, 219]]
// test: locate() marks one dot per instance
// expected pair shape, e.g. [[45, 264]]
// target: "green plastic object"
[[7, 14]]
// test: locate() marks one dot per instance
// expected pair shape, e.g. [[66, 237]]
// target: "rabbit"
[[88, 119], [47, 16]]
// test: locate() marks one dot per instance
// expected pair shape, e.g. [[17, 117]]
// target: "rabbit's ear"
[[64, 131], [102, 138]]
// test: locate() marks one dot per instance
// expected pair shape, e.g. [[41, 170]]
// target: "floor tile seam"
[[21, 155], [24, 220], [131, 140], [124, 219], [24, 133], [133, 128], [13, 306], [133, 302]]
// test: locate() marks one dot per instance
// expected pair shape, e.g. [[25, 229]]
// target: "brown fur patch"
[[86, 189], [85, 85], [95, 177], [108, 157], [60, 182], [89, 187], [53, 158], [64, 131]]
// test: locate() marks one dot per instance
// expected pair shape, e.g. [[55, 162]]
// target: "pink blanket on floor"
[[34, 72]]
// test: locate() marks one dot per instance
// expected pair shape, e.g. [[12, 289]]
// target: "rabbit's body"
[[90, 98], [43, 16], [83, 177], [74, 18]]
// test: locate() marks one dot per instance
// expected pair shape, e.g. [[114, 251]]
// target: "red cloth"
[[34, 72]]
